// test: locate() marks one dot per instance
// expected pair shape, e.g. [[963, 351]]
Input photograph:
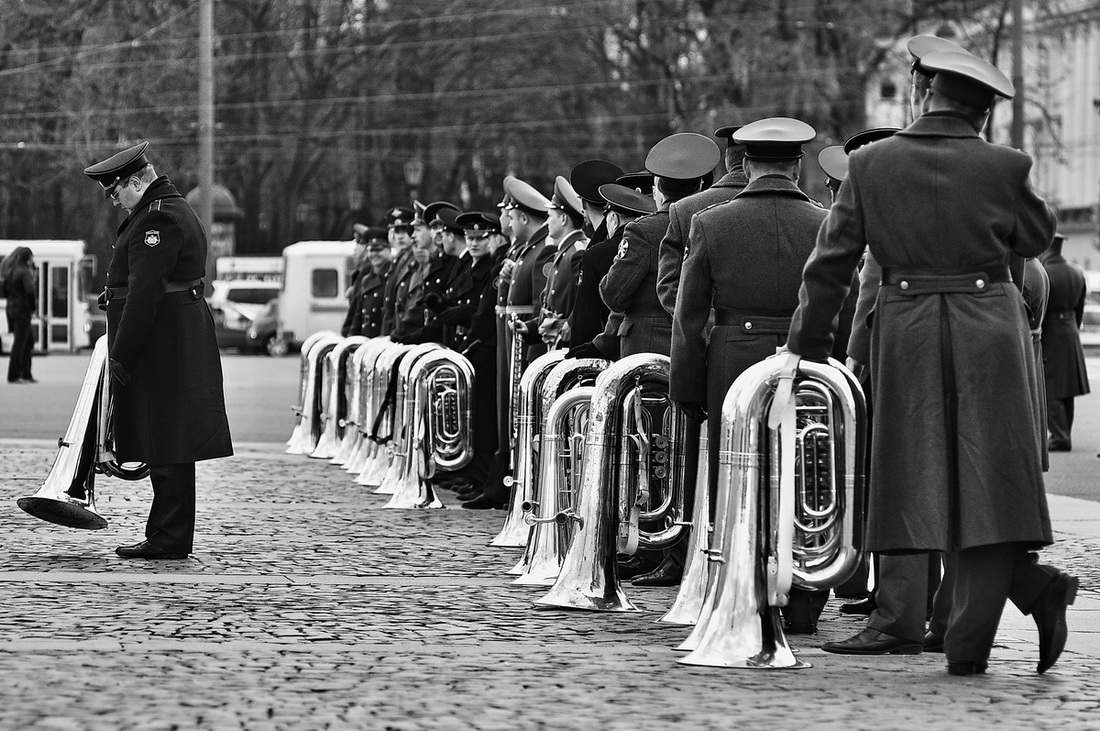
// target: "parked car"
[[231, 323], [263, 335]]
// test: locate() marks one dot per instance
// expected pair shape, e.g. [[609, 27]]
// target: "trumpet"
[[790, 486], [67, 497]]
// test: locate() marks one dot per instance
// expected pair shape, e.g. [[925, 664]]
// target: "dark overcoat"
[[744, 258], [463, 297], [351, 319], [397, 289], [372, 293], [561, 280], [630, 287], [1036, 294], [527, 284], [428, 278], [173, 409], [956, 459], [589, 312], [671, 255], [1065, 372]]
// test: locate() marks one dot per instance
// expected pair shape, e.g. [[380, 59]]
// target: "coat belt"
[[943, 281], [754, 322], [119, 293], [520, 309]]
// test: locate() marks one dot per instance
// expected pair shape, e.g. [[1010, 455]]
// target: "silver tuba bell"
[[67, 497], [790, 486]]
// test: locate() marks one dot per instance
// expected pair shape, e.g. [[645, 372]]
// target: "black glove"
[[695, 410], [101, 300], [584, 350], [118, 372], [433, 301], [458, 315]]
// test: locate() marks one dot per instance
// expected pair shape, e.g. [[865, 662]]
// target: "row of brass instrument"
[[394, 415], [602, 463]]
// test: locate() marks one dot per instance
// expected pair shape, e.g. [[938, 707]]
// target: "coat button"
[[980, 283], [904, 285], [748, 326]]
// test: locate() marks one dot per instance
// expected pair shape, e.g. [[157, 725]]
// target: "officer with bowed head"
[[169, 406], [956, 459]]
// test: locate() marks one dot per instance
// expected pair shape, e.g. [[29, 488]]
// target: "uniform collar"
[[570, 238], [940, 124], [773, 185], [732, 180], [159, 188]]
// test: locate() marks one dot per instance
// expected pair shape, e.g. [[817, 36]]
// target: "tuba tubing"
[[738, 627]]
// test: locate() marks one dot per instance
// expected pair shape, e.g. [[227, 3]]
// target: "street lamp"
[[414, 173]]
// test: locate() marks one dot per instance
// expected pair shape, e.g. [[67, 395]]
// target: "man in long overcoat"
[[372, 290], [169, 407], [1065, 372], [744, 261], [956, 462]]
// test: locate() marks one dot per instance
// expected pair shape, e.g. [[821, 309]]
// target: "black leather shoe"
[[872, 642], [1049, 613], [664, 575], [863, 607], [932, 642], [145, 549], [1059, 447], [484, 503], [966, 668], [636, 566]]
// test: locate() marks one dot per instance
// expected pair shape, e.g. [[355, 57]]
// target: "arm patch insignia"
[[623, 247], [152, 238]]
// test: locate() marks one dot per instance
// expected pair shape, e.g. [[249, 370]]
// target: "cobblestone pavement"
[[307, 606]]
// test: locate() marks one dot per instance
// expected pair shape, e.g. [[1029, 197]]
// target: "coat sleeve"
[[1035, 222], [149, 265], [827, 276], [628, 270], [670, 258], [859, 344], [688, 374]]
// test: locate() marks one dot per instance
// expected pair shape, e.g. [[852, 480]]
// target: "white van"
[[316, 275], [64, 320]]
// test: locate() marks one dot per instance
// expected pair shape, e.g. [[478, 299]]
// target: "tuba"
[[307, 431], [525, 424], [382, 420], [439, 426], [67, 497], [362, 417], [693, 587], [566, 396], [334, 397], [623, 457], [790, 486]]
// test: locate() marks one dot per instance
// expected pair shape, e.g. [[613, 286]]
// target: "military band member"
[[169, 407], [624, 205], [368, 323], [399, 222], [744, 260], [678, 164], [1066, 376], [956, 464], [529, 213], [360, 266], [429, 277], [565, 226], [589, 315], [460, 300], [681, 211]]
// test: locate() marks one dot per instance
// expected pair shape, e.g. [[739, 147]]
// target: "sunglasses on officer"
[[111, 191]]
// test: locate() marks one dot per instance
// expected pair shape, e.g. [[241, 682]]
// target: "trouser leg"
[[934, 576], [982, 582], [941, 604], [171, 522], [901, 596], [804, 608], [1059, 422]]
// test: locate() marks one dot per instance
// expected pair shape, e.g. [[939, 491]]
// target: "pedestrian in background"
[[1064, 368], [17, 284]]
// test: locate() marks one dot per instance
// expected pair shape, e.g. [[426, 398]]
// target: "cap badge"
[[152, 238]]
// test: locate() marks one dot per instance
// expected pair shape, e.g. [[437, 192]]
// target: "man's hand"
[[584, 350], [449, 316], [118, 373], [519, 327], [694, 410], [506, 268]]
